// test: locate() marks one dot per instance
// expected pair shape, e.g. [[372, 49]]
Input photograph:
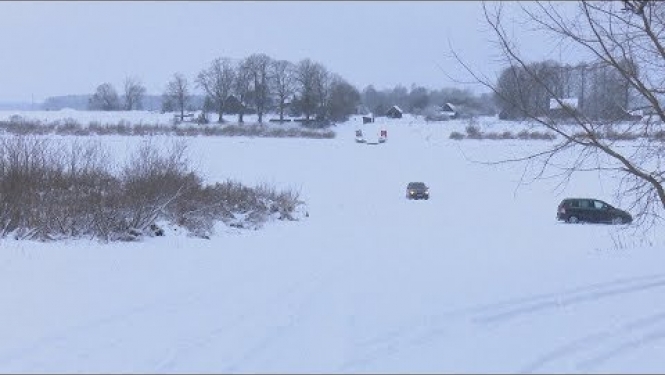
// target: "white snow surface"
[[480, 278]]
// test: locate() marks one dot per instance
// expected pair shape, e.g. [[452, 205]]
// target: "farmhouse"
[[394, 112]]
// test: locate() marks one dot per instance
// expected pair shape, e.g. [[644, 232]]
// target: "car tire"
[[573, 220], [617, 220]]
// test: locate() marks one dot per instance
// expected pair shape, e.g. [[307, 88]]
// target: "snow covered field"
[[480, 278]]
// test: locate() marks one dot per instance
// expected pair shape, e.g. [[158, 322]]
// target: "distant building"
[[394, 112], [567, 102], [565, 107], [448, 110]]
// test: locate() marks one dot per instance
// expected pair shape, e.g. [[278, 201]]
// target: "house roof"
[[568, 102], [448, 107], [397, 108]]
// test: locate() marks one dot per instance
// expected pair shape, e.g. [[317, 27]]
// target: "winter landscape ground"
[[480, 278]]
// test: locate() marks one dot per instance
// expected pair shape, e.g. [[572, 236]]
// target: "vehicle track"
[[428, 329]]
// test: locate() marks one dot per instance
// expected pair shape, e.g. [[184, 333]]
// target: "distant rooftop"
[[568, 102]]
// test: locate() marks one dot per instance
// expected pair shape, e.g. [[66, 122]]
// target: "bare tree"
[[177, 93], [343, 100], [105, 98], [242, 87], [258, 65], [418, 99], [134, 93], [217, 81], [312, 83], [282, 78], [322, 84], [533, 92], [613, 33], [376, 101]]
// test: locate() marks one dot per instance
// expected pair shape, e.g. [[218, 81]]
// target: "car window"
[[585, 203], [598, 205], [574, 204]]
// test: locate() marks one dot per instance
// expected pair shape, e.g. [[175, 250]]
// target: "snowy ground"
[[480, 278]]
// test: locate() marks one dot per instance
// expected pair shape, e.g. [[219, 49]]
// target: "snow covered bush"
[[50, 191], [473, 132], [456, 135], [17, 125]]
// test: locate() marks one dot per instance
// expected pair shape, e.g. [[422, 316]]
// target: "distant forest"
[[417, 100]]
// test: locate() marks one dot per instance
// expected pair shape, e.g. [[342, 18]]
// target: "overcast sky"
[[57, 48]]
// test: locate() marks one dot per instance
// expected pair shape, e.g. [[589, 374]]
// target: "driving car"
[[417, 190], [576, 210]]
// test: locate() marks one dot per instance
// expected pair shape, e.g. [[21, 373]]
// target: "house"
[[632, 114], [448, 110], [394, 112], [443, 112], [564, 107]]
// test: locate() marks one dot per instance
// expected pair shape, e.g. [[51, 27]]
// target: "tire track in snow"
[[270, 338], [555, 296], [600, 339], [80, 330], [230, 327], [564, 300], [428, 329], [621, 349]]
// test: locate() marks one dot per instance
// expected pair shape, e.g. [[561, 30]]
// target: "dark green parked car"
[[575, 210]]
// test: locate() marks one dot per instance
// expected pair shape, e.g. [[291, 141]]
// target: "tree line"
[[419, 100], [255, 84], [106, 97], [601, 91], [259, 84]]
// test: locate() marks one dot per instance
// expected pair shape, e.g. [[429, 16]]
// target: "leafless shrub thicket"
[[610, 134], [50, 191], [19, 126], [474, 132]]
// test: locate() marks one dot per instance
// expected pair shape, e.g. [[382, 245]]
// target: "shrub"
[[456, 135], [541, 135], [49, 192], [20, 126], [507, 135], [620, 136], [658, 135], [473, 132]]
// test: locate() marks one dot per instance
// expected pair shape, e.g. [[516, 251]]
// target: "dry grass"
[[49, 191]]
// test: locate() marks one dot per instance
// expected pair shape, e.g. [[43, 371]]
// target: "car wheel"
[[617, 220], [573, 220]]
